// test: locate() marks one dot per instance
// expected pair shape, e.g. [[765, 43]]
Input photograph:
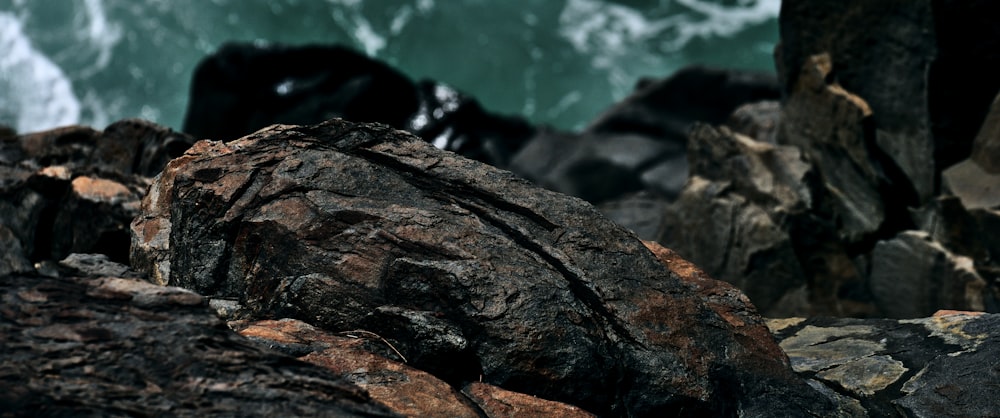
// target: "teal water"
[[556, 62]]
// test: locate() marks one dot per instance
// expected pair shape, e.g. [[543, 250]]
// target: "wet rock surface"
[[533, 291]]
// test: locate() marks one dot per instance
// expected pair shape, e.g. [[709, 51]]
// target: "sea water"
[[556, 62]]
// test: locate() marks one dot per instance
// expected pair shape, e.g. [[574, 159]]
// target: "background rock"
[[75, 189], [244, 87], [290, 218]]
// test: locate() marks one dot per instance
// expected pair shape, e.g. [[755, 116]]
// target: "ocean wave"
[[606, 30], [35, 93]]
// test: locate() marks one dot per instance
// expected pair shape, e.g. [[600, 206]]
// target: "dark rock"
[[730, 219], [455, 122], [642, 213], [986, 147], [291, 218], [93, 217], [599, 168], [758, 120], [960, 230], [665, 109], [962, 78], [830, 125], [913, 276], [244, 87], [924, 67], [927, 367], [136, 146], [75, 190], [116, 347], [881, 51], [13, 258]]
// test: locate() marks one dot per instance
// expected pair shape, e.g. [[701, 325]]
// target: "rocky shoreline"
[[427, 258]]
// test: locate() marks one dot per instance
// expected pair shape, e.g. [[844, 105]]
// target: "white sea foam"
[[612, 34], [100, 33], [35, 94], [594, 25], [357, 26]]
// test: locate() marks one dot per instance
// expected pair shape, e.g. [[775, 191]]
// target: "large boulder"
[[350, 226]]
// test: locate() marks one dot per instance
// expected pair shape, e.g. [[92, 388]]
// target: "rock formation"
[[469, 271]]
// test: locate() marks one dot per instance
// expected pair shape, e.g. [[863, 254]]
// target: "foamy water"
[[556, 62]]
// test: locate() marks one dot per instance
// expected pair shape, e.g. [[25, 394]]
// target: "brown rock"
[[499, 403]]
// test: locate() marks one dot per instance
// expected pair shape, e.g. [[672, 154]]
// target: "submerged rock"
[[547, 297]]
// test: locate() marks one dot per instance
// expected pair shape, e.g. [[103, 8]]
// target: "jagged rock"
[[913, 276], [113, 346], [75, 189], [552, 299], [244, 87], [927, 367], [971, 233], [638, 144], [361, 357], [730, 219], [130, 146], [923, 66], [881, 51], [962, 77], [95, 265], [829, 125]]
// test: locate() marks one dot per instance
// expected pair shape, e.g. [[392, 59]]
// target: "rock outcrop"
[[89, 346], [470, 272]]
